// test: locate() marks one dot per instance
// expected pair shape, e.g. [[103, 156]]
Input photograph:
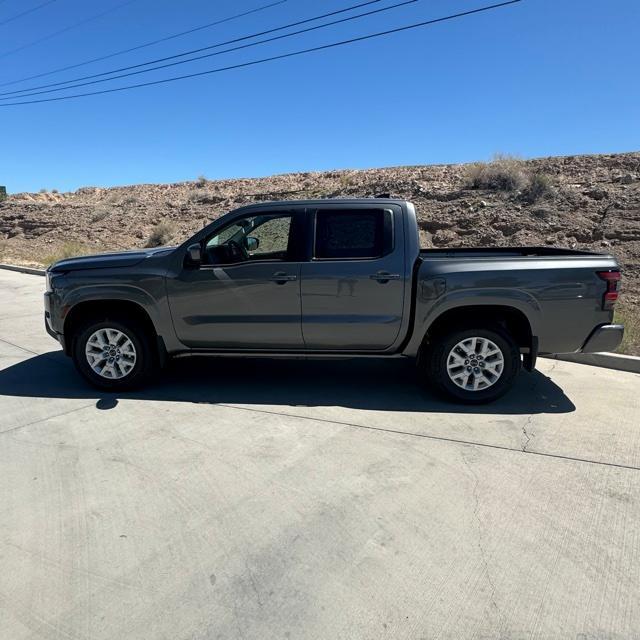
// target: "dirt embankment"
[[590, 202]]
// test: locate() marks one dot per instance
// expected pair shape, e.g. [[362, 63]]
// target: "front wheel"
[[473, 366], [114, 355]]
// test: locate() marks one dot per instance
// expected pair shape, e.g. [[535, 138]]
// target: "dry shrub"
[[540, 186], [67, 250], [203, 197], [99, 214], [509, 173], [160, 235], [503, 173], [629, 315]]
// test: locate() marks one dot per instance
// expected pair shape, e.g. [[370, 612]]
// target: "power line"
[[217, 53], [192, 51], [27, 12], [272, 58], [141, 46], [69, 28]]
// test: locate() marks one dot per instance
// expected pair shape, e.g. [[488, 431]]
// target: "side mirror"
[[251, 243], [194, 253]]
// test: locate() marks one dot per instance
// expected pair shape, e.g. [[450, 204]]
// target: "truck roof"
[[323, 201]]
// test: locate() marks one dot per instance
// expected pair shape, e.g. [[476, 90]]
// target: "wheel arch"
[[105, 309], [510, 318]]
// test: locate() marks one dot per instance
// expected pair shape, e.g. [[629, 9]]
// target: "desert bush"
[[54, 191], [540, 186], [99, 214], [160, 235], [43, 190], [503, 173], [629, 315], [201, 182], [67, 250], [129, 200], [346, 180], [203, 197]]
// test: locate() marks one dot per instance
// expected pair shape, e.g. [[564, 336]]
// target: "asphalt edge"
[[30, 270], [616, 361]]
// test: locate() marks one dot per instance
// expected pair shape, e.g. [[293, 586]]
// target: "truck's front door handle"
[[281, 277], [382, 276]]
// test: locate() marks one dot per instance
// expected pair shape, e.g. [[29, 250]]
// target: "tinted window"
[[352, 234]]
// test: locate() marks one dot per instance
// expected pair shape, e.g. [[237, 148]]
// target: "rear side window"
[[363, 233]]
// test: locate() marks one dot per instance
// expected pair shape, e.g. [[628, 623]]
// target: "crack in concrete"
[[480, 545], [526, 434], [427, 436]]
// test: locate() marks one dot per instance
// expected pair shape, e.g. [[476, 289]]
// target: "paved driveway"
[[295, 500]]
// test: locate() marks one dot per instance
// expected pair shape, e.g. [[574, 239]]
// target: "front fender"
[[149, 294], [102, 292]]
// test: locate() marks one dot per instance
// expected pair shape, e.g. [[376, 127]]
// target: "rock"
[[626, 178], [596, 194], [444, 237]]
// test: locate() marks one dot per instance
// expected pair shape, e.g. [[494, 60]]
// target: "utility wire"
[[272, 58], [217, 53], [140, 46], [27, 12], [192, 51], [69, 28]]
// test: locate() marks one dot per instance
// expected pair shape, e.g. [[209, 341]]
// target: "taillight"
[[611, 295]]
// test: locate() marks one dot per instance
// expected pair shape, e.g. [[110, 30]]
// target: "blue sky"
[[538, 78]]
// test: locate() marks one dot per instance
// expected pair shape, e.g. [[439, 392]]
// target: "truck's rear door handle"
[[281, 277], [384, 276]]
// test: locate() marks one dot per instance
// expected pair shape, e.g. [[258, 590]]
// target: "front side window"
[[261, 237], [352, 234]]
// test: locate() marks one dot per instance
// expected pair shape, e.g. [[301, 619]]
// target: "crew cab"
[[332, 278]]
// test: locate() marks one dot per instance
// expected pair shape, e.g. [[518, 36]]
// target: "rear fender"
[[428, 311]]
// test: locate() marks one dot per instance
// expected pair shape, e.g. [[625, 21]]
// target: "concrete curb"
[[616, 361], [30, 270]]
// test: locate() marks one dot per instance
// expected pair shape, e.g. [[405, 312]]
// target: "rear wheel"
[[472, 366], [113, 354]]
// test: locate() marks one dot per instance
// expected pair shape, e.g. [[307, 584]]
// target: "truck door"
[[353, 287], [246, 292]]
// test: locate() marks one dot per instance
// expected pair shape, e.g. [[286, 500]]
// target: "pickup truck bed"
[[332, 278]]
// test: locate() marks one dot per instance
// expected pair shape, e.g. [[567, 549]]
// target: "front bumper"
[[604, 338], [48, 319]]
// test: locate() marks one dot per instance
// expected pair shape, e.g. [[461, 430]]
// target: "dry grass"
[[629, 316], [503, 173], [510, 174], [67, 250], [540, 186], [160, 235], [99, 214]]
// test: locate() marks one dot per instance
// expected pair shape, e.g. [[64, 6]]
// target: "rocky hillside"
[[590, 202]]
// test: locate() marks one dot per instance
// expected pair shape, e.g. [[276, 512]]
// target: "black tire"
[[144, 362], [433, 364]]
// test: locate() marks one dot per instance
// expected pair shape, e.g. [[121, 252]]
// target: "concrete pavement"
[[261, 499]]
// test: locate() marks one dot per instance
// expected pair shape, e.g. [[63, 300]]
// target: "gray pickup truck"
[[332, 278]]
